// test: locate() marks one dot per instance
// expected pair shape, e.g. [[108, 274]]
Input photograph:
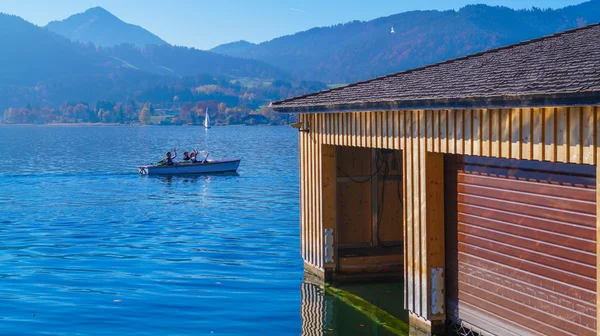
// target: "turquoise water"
[[91, 247]]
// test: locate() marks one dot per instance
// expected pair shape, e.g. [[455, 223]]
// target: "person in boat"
[[193, 157], [168, 160], [186, 157]]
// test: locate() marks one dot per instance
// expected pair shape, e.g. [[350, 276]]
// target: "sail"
[[206, 121]]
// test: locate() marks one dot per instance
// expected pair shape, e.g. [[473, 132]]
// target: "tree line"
[[228, 103], [133, 113]]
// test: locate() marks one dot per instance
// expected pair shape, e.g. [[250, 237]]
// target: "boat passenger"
[[168, 160], [193, 157], [186, 156]]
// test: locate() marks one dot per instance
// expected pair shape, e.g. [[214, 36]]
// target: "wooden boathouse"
[[474, 179]]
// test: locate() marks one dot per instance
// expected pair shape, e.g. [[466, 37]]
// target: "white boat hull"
[[220, 166]]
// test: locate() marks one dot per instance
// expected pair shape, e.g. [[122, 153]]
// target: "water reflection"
[[191, 178], [313, 309], [323, 312]]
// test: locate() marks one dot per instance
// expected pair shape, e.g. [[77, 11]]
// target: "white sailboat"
[[206, 120]]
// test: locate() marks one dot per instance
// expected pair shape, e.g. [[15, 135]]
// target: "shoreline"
[[121, 125], [67, 124]]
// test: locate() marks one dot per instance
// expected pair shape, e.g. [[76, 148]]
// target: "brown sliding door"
[[521, 254]]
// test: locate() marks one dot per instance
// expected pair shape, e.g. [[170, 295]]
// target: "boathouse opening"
[[369, 213]]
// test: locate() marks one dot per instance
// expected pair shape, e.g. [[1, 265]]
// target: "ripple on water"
[[93, 248]]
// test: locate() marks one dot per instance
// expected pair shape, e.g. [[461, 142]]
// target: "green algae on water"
[[374, 313]]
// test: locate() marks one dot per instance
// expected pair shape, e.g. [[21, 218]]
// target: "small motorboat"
[[201, 167]]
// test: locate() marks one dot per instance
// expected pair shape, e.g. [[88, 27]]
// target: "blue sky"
[[204, 24]]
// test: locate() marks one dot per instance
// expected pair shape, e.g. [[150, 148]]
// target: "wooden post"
[[430, 317], [424, 222], [328, 198], [374, 199], [434, 203]]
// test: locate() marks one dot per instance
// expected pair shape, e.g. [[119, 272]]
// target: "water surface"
[[91, 247]]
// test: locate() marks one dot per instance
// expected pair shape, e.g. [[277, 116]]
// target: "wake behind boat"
[[207, 167]]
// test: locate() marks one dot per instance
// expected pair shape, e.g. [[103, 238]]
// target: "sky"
[[204, 24]]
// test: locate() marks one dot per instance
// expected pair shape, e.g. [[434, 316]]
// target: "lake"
[[91, 247]]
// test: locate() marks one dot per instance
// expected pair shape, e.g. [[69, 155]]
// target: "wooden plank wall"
[[392, 215], [555, 134], [311, 228], [389, 191], [354, 218]]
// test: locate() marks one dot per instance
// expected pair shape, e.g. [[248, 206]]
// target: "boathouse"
[[474, 179]]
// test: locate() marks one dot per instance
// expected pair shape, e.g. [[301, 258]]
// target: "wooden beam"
[[374, 199], [328, 197], [314, 270], [408, 187], [372, 264], [303, 180], [422, 219], [434, 204], [588, 136]]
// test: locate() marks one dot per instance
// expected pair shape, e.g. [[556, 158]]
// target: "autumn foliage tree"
[[12, 115], [185, 113], [145, 116]]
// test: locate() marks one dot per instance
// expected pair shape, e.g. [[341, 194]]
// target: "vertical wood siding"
[[554, 134]]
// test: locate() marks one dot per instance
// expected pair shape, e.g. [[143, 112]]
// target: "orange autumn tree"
[[145, 116]]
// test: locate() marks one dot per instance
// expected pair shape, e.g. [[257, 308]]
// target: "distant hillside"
[[100, 27], [360, 50], [41, 67], [135, 48], [233, 48], [183, 61], [44, 68], [35, 54]]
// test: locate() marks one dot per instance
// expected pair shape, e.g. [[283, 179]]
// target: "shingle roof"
[[555, 69]]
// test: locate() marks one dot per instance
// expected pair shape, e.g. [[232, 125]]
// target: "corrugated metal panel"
[[526, 260]]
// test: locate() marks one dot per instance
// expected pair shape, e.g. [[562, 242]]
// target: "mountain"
[[183, 61], [233, 48], [135, 48], [360, 50], [100, 27], [33, 54], [40, 67]]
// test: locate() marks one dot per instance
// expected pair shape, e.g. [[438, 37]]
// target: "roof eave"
[[540, 100]]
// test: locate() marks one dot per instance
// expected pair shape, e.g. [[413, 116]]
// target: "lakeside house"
[[474, 180]]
